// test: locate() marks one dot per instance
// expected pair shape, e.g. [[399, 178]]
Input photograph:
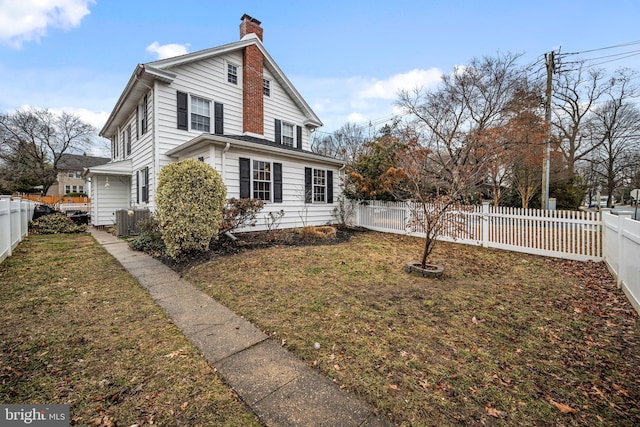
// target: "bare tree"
[[615, 127], [345, 143], [574, 96], [455, 118], [37, 138]]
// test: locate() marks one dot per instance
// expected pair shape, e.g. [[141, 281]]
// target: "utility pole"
[[550, 63]]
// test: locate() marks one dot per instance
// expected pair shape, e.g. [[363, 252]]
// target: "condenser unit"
[[127, 221]]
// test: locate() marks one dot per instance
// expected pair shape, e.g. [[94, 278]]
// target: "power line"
[[637, 42]]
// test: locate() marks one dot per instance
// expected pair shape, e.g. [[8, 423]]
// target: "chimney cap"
[[251, 19]]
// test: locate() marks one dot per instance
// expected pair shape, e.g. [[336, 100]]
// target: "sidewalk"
[[280, 389]]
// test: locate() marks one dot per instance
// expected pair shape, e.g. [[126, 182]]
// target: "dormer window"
[[232, 74]]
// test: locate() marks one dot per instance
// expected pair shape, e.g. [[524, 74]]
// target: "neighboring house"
[[70, 174], [230, 106]]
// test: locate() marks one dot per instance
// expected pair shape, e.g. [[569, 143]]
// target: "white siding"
[[110, 199], [280, 106]]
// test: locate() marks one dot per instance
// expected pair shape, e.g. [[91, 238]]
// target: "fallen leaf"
[[565, 409], [393, 387], [474, 320], [493, 412], [184, 405], [336, 367]]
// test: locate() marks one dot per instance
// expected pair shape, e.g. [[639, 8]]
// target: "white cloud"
[[359, 99], [168, 50], [389, 88], [28, 20]]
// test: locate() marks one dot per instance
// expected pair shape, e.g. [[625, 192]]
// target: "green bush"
[[56, 224], [149, 239], [189, 204]]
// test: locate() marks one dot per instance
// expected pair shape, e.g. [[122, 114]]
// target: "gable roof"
[[145, 74], [79, 161]]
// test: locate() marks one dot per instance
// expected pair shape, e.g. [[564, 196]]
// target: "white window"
[[266, 87], [71, 174], [75, 189], [232, 74], [67, 189], [287, 134], [262, 180], [319, 185], [81, 189], [78, 174], [200, 114]]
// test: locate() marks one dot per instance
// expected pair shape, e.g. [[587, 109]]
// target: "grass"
[[77, 329], [503, 339]]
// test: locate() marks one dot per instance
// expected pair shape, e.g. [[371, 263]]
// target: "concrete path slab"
[[279, 388]]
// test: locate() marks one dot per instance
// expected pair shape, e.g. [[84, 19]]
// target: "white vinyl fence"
[[572, 235], [14, 223], [621, 241]]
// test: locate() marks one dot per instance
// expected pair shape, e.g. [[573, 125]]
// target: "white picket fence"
[[575, 235], [621, 248], [14, 223]]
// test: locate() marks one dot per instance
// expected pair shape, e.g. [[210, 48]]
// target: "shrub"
[[189, 202], [240, 212], [56, 224], [149, 239]]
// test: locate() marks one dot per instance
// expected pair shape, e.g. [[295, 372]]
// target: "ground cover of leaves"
[[77, 329], [503, 339]]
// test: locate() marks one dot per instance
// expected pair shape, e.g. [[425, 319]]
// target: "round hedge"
[[189, 203]]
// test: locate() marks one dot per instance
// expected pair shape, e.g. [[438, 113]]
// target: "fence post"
[[5, 225], [485, 223], [621, 268]]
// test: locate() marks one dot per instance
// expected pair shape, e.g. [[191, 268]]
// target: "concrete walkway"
[[280, 389]]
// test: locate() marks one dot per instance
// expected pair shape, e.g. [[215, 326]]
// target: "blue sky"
[[348, 59]]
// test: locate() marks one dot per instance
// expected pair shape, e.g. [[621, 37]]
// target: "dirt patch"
[[242, 242]]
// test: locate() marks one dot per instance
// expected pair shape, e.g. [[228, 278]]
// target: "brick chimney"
[[250, 25], [252, 79]]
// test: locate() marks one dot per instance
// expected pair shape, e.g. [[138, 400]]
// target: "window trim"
[[288, 125], [207, 126], [266, 87], [227, 74], [315, 185], [310, 186], [246, 173]]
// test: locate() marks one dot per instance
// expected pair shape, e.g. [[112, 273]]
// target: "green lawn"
[[503, 339], [77, 329]]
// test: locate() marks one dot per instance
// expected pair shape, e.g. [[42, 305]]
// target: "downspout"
[[223, 160]]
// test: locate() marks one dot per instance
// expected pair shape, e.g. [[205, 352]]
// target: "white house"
[[230, 106]]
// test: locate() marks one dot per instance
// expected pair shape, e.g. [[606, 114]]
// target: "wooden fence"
[[62, 203], [572, 235], [14, 223]]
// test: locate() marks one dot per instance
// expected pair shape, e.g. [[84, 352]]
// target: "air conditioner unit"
[[127, 221]]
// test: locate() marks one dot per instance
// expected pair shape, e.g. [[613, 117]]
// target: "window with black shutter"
[[218, 113], [183, 113], [299, 137], [308, 185], [277, 183], [278, 132], [245, 178]]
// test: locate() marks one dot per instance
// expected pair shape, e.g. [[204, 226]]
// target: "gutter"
[[224, 162]]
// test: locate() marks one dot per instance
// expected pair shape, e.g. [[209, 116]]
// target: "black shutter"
[[299, 137], [145, 115], [183, 113], [277, 182], [137, 186], [278, 132], [145, 196], [137, 123], [218, 111], [329, 186], [308, 185], [245, 178]]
